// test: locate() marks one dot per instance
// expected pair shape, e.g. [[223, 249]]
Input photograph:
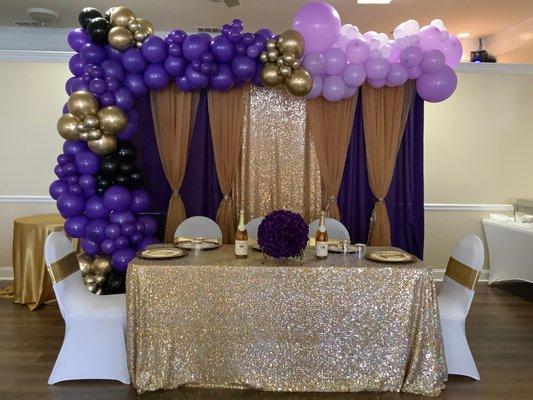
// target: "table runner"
[[335, 325]]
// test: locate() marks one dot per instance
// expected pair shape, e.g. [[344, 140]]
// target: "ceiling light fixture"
[[464, 35], [374, 1]]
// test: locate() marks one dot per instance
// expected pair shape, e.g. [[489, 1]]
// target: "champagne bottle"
[[321, 238], [241, 238]]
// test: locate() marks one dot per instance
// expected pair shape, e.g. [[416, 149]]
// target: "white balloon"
[[399, 32], [350, 31], [413, 40], [386, 50], [343, 41], [383, 38], [438, 23], [369, 36]]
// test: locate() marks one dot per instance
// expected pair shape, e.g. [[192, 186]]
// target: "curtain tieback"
[[176, 193], [380, 200], [226, 197]]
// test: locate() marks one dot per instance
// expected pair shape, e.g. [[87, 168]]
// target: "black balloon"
[[127, 167], [121, 180], [126, 151], [136, 180], [98, 29], [109, 167], [116, 283], [87, 14], [107, 14]]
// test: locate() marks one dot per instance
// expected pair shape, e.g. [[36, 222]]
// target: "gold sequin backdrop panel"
[[279, 167]]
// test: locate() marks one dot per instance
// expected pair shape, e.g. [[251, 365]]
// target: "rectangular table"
[[335, 325]]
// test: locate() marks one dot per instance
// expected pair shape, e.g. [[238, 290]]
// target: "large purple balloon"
[[87, 162], [57, 188], [243, 68], [377, 69], [175, 66], [75, 65], [133, 61], [74, 147], [354, 75], [320, 25], [397, 75], [121, 217], [92, 53], [89, 247], [77, 38], [222, 49], [75, 226], [194, 46], [438, 86], [432, 62], [224, 79], [121, 258], [124, 99], [96, 230], [452, 50], [430, 37], [335, 61], [154, 49], [147, 241], [70, 205], [135, 84], [150, 224], [314, 63], [196, 80], [333, 88], [411, 56], [140, 201], [156, 76], [95, 208], [117, 198]]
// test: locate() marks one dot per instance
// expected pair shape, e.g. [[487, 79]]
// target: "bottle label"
[[241, 247], [321, 249]]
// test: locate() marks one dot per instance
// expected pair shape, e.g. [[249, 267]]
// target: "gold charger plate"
[[390, 256], [189, 245], [161, 253]]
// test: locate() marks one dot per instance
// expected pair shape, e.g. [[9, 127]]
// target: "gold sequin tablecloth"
[[335, 325]]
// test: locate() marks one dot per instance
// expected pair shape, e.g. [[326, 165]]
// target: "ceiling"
[[479, 17]]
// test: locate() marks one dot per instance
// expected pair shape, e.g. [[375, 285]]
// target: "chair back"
[[462, 272], [64, 270], [336, 230], [253, 226], [198, 227]]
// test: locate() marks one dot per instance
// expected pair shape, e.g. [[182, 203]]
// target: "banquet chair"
[[94, 346], [336, 230], [198, 226], [253, 226], [455, 298]]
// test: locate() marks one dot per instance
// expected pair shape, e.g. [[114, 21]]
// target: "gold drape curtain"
[[385, 113], [226, 111], [174, 114], [330, 127]]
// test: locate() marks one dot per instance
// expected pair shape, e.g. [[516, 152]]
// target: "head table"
[[337, 325]]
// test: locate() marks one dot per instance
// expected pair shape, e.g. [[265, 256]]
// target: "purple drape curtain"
[[405, 199]]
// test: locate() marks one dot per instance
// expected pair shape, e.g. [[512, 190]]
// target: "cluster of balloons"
[[340, 58], [95, 271], [95, 24], [119, 168], [127, 29], [94, 125]]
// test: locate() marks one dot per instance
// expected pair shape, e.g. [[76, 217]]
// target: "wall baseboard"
[[6, 274], [26, 199]]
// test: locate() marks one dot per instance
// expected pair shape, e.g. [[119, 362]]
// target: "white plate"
[[390, 256], [161, 252], [189, 245]]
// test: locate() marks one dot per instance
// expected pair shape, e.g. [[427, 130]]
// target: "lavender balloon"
[[354, 75], [452, 50], [358, 51], [333, 88], [397, 75], [432, 62], [415, 72], [430, 37], [316, 90], [377, 83], [411, 56], [335, 61], [314, 63], [377, 69], [438, 86]]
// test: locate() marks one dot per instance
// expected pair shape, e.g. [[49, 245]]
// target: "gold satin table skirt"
[[335, 325]]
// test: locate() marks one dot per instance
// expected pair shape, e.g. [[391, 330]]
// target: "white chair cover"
[[94, 346], [252, 227], [454, 304], [336, 230], [199, 227]]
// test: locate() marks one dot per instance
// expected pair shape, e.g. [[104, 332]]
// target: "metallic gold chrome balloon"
[[299, 83], [146, 26], [270, 44], [99, 279], [295, 64], [102, 265], [133, 25], [94, 134], [82, 104], [121, 16], [272, 55], [263, 57], [91, 122], [67, 126], [288, 58], [91, 287], [284, 71], [81, 128], [269, 75], [120, 38], [85, 136], [140, 35], [112, 119], [279, 61], [139, 44], [291, 41], [89, 278], [85, 262], [103, 146]]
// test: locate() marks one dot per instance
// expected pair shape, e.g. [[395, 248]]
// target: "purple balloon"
[[77, 38], [438, 86], [121, 258], [74, 147], [140, 201], [97, 86], [117, 198], [430, 37], [92, 53], [112, 84], [333, 88], [108, 246], [240, 49], [243, 68], [178, 36], [316, 90], [89, 192], [139, 226], [89, 247], [377, 69], [452, 50], [196, 80], [128, 229], [58, 170], [65, 108], [314, 63], [121, 242], [75, 189], [397, 75], [70, 205], [75, 226], [62, 159], [75, 65], [248, 39], [124, 99], [121, 217], [194, 46], [113, 69], [135, 84], [57, 188], [320, 25], [234, 35], [150, 224], [154, 49], [350, 91], [95, 208], [354, 75], [71, 180], [95, 231], [224, 79], [222, 49], [147, 241], [183, 83], [377, 83], [175, 50], [335, 61], [175, 66], [411, 56], [87, 181], [78, 84], [96, 72], [87, 162], [113, 231], [70, 169], [266, 32], [130, 130], [136, 238], [432, 62], [156, 77], [208, 57], [107, 99], [133, 61], [253, 51], [358, 51], [113, 54], [415, 72]]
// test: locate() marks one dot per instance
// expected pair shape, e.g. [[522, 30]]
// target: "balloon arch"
[[118, 59]]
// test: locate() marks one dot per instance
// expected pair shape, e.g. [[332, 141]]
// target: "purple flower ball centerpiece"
[[283, 234]]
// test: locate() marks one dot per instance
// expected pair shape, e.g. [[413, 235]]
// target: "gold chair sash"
[[462, 274], [63, 267]]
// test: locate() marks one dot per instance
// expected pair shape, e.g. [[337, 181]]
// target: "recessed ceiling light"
[[464, 35], [374, 1]]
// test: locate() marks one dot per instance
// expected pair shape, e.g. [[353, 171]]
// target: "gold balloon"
[[67, 126], [270, 44], [299, 83], [89, 278], [269, 75], [91, 287], [295, 64], [99, 291], [102, 265], [103, 146], [85, 136], [85, 262], [263, 57], [279, 61], [91, 122], [146, 26], [94, 134], [272, 55], [291, 41], [288, 58], [140, 35], [81, 127], [99, 279], [82, 104], [139, 44], [112, 119], [120, 38], [284, 71], [121, 16], [133, 25]]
